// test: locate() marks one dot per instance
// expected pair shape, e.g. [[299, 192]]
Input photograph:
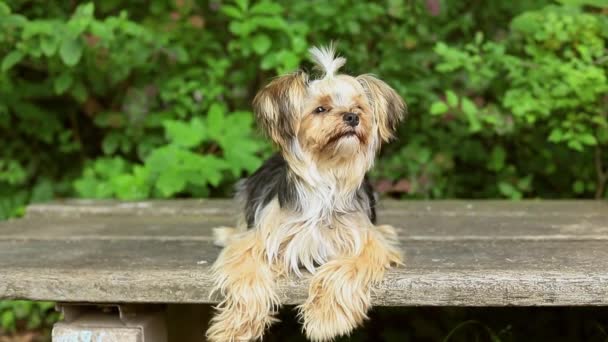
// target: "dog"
[[310, 206]]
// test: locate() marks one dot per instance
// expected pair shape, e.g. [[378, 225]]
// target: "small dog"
[[310, 206]]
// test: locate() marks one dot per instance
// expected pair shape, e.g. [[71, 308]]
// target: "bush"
[[136, 102], [20, 315], [536, 98]]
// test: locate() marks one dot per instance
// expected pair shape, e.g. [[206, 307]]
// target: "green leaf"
[[110, 167], [243, 4], [452, 98], [478, 37], [48, 45], [110, 143], [266, 7], [211, 167], [71, 51], [79, 92], [556, 135], [232, 11], [261, 43], [86, 186], [268, 61], [11, 59], [274, 23], [4, 9], [497, 159], [185, 134], [289, 61], [238, 28], [170, 182], [215, 121], [575, 145], [508, 190], [438, 108], [85, 10], [7, 321], [12, 172], [42, 191], [578, 187], [470, 111], [159, 158], [46, 306], [587, 139], [131, 187], [62, 82], [523, 184]]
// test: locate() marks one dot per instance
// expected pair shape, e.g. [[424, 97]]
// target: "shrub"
[[536, 98], [136, 102], [26, 315]]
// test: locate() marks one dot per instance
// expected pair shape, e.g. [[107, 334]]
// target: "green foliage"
[[26, 315], [542, 85], [93, 103], [118, 100], [185, 165]]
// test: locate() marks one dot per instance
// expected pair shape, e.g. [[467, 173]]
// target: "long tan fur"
[[328, 231], [340, 292], [246, 283]]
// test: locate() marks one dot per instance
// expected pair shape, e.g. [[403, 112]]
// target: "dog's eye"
[[320, 109]]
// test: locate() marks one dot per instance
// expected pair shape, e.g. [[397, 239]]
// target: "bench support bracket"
[[101, 323]]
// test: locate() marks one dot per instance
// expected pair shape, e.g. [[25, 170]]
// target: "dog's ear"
[[387, 106], [278, 105]]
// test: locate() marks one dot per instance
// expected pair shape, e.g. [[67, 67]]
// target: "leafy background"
[[151, 98]]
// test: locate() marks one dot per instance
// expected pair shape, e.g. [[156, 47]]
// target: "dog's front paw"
[[239, 322], [231, 333], [338, 302]]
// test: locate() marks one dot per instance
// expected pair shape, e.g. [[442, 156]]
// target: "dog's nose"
[[351, 119]]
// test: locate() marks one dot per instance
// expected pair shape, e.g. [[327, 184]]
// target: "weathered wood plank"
[[201, 207], [439, 224], [469, 273], [469, 253], [411, 228]]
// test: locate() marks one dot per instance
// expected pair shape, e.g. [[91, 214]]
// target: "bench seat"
[[458, 253]]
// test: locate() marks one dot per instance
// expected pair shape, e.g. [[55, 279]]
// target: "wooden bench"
[[141, 269]]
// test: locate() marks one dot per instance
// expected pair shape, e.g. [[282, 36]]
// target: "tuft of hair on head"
[[326, 60]]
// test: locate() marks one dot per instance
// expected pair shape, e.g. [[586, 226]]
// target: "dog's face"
[[330, 119], [336, 118]]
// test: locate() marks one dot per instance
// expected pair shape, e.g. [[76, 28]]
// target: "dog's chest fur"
[[303, 225]]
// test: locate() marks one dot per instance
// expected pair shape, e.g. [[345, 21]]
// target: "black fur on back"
[[269, 181], [272, 180], [366, 192]]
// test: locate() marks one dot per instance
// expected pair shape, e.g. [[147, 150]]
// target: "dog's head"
[[331, 119]]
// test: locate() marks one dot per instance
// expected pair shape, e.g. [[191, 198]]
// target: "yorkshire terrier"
[[310, 206]]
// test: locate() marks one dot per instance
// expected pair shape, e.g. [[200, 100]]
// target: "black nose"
[[351, 119]]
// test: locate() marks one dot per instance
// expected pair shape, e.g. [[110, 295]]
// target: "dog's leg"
[[340, 291], [246, 281]]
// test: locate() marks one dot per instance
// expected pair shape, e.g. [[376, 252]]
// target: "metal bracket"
[[110, 323]]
